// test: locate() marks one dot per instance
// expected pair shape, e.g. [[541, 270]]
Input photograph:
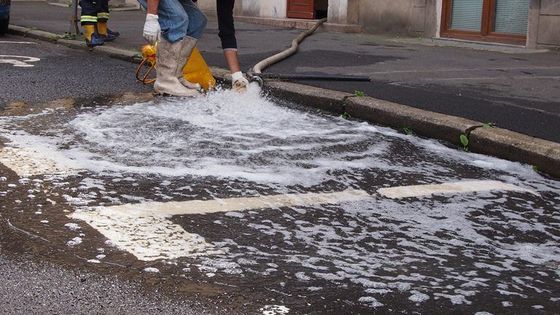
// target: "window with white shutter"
[[511, 16], [466, 15]]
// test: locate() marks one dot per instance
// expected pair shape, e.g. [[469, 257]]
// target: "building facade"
[[532, 23]]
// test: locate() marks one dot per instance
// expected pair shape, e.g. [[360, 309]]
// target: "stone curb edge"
[[544, 155], [114, 52]]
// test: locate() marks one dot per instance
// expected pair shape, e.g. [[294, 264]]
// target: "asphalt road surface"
[[245, 204], [47, 72]]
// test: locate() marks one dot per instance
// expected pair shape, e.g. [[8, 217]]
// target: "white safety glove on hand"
[[239, 82], [151, 28]]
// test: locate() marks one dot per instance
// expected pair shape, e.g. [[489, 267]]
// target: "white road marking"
[[144, 229], [29, 162], [237, 204], [146, 237], [447, 188], [18, 61]]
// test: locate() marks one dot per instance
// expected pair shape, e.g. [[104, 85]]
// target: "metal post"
[[74, 28]]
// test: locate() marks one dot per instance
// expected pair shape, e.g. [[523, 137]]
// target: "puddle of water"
[[472, 243], [241, 137]]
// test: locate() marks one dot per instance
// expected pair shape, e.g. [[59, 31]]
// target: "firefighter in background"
[[94, 17]]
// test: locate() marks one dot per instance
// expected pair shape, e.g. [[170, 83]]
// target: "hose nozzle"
[[255, 78]]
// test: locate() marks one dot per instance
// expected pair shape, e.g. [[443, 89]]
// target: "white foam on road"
[[235, 137], [226, 143], [28, 161], [224, 135]]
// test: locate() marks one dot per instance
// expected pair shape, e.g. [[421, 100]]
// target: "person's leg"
[[88, 19], [173, 46], [197, 19], [197, 24], [102, 8], [173, 19], [179, 18]]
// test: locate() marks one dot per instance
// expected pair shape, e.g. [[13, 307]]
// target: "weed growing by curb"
[[464, 141], [69, 36], [408, 131], [359, 93]]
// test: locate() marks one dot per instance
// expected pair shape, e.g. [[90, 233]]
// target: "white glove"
[[151, 28], [239, 82]]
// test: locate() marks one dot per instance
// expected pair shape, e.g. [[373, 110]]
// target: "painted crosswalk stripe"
[[149, 237], [145, 230], [447, 188], [237, 204]]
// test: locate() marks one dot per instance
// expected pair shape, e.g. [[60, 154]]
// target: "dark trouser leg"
[[102, 7], [88, 15]]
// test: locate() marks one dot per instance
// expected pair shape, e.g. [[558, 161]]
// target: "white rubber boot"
[[168, 58], [188, 45]]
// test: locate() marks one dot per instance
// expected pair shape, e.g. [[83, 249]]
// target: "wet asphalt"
[[495, 252], [61, 73], [518, 91]]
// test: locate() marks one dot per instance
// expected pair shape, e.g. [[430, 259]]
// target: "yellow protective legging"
[[89, 29], [195, 70], [102, 28]]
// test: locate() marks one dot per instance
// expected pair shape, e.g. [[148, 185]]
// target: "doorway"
[[486, 20], [307, 9]]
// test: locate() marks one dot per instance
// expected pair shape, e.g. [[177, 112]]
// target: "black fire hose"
[[312, 77]]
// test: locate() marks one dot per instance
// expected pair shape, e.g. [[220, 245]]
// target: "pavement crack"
[[15, 228], [472, 128]]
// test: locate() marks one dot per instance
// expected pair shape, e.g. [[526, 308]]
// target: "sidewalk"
[[517, 90]]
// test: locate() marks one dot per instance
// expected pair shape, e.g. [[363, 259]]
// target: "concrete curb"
[[502, 143], [425, 123], [33, 33], [542, 154], [115, 52], [125, 7], [328, 100]]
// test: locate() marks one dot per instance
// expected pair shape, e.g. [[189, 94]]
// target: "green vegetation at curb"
[[345, 115], [69, 36], [489, 125], [408, 131], [464, 141], [359, 93]]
